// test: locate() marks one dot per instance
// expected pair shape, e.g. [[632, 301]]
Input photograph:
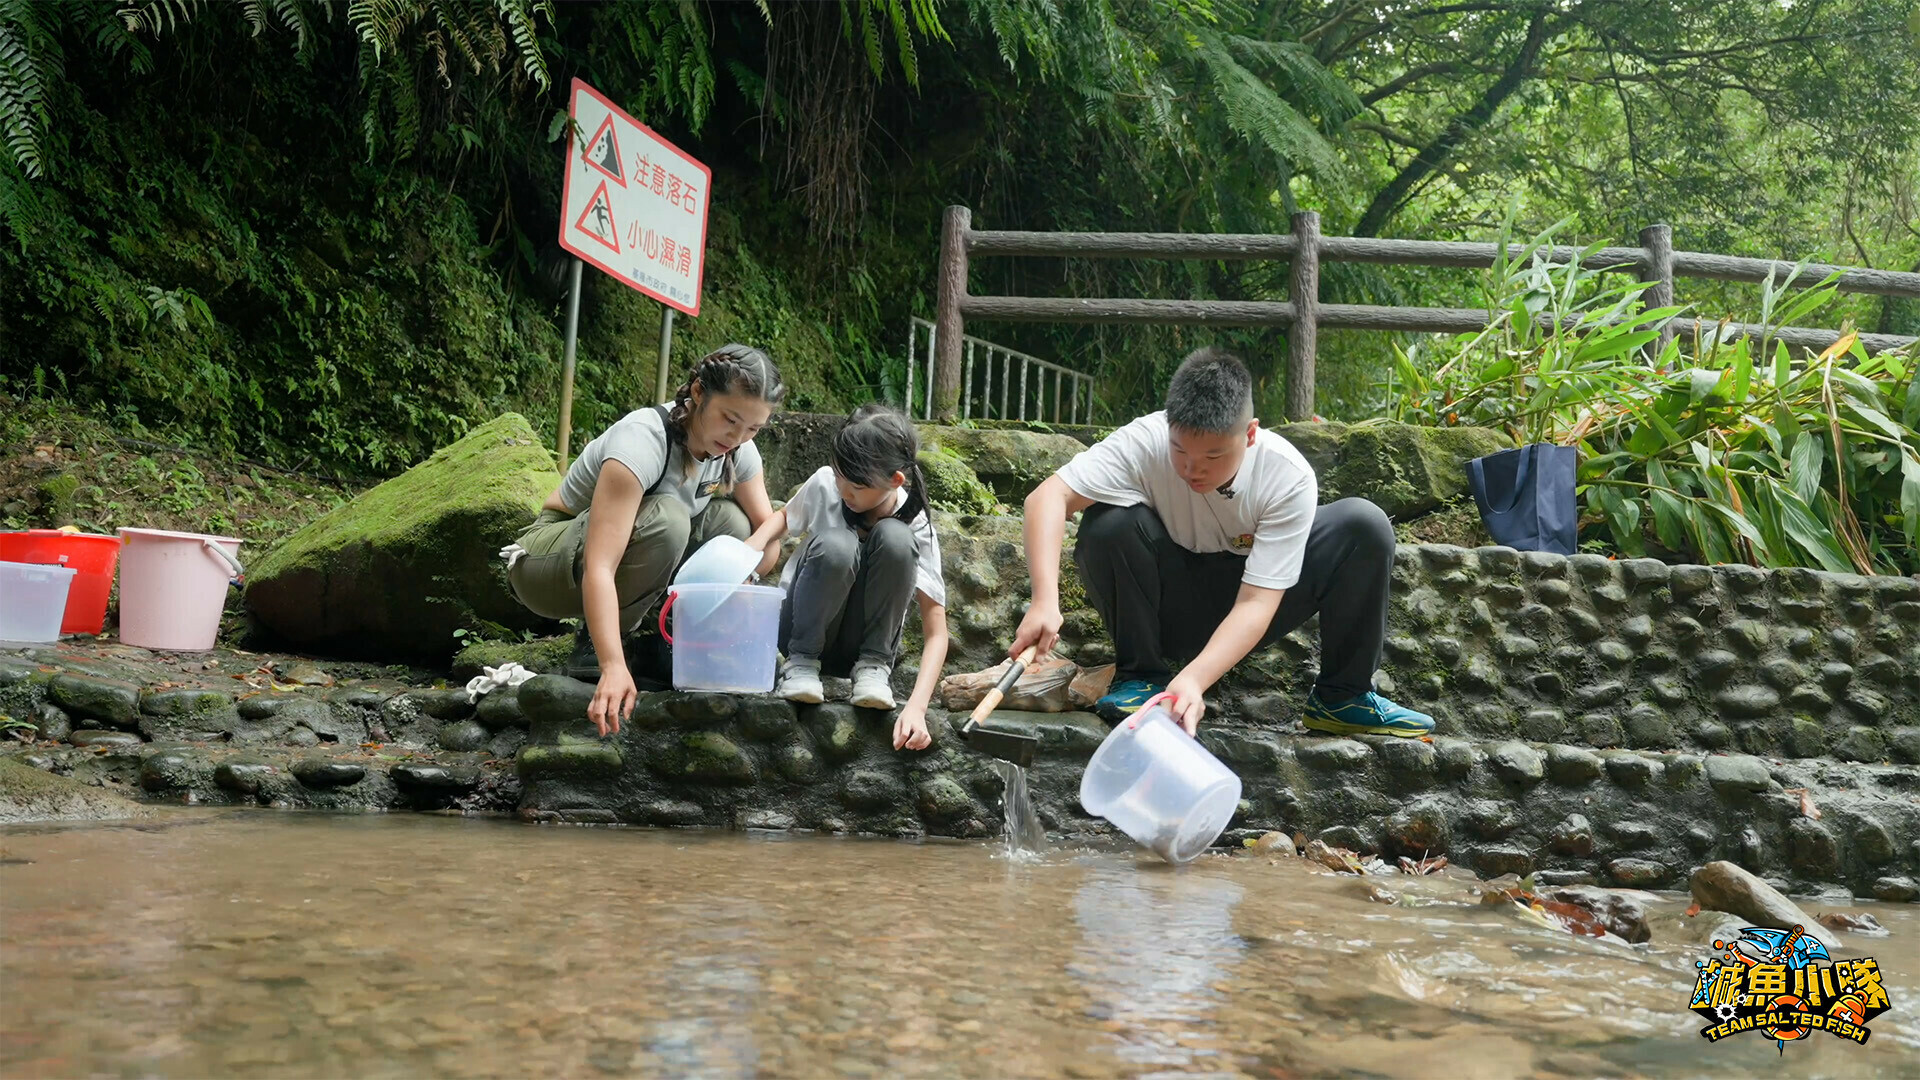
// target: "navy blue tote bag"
[[1526, 496]]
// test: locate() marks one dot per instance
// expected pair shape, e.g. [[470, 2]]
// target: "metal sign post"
[[635, 206], [566, 365], [662, 369]]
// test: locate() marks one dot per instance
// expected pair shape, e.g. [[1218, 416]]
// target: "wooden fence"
[[1654, 262]]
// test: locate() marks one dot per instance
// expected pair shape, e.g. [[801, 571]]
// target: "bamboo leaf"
[[1807, 531], [1702, 383], [1879, 419], [1669, 511], [1598, 466], [1740, 524], [1910, 496], [1808, 458], [1613, 345]]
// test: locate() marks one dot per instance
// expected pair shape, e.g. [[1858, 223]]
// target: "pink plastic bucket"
[[173, 587]]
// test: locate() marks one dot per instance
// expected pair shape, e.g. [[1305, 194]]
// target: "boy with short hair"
[[1201, 541]]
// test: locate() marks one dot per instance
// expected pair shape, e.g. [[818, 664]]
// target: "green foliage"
[[1724, 449], [323, 231]]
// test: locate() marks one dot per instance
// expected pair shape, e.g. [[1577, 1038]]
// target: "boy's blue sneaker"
[[1368, 714], [1125, 699]]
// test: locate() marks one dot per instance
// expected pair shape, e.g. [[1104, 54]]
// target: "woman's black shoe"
[[584, 664]]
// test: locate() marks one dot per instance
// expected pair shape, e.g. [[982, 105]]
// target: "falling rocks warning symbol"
[[603, 152], [597, 219]]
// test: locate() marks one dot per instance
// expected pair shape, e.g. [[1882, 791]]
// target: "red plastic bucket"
[[92, 559]]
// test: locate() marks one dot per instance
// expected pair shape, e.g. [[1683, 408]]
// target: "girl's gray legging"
[[1161, 603], [848, 602]]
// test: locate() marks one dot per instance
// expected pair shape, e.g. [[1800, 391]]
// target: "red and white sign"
[[635, 204]]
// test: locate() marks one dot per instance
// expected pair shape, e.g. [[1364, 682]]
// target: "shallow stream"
[[264, 944]]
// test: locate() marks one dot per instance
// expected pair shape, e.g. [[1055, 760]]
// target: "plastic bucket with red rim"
[[90, 557]]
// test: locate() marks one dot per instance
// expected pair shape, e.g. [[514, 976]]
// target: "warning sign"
[[635, 205], [603, 152], [597, 220]]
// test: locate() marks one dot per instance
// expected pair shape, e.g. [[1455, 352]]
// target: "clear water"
[[1020, 825], [301, 945]]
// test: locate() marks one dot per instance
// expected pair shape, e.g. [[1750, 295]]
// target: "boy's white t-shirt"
[[816, 507], [1266, 518]]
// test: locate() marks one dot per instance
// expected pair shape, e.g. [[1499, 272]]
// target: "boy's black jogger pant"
[[1161, 603]]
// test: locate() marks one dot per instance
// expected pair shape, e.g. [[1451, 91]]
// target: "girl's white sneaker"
[[872, 686], [800, 682]]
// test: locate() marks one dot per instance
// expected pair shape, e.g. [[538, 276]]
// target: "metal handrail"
[[1078, 407]]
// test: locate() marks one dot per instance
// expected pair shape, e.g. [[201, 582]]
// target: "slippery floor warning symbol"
[[597, 220], [603, 153]]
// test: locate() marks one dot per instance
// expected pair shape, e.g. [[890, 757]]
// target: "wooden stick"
[[999, 691]]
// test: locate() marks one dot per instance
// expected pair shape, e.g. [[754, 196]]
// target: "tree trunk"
[[1388, 201]]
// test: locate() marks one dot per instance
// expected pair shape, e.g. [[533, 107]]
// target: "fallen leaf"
[[1693, 909], [1333, 858], [1426, 739], [371, 745]]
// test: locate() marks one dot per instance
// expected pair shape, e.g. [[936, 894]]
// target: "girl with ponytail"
[[870, 551], [639, 499]]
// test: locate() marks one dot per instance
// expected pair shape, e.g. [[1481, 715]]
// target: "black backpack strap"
[[666, 432], [665, 413]]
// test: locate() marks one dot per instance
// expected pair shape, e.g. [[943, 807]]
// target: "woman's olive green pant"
[[547, 577]]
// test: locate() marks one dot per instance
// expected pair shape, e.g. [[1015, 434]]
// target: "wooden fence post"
[[1657, 272], [1303, 336], [948, 324]]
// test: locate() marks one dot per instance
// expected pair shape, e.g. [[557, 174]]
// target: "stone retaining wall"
[[1572, 814], [1636, 653], [1597, 720]]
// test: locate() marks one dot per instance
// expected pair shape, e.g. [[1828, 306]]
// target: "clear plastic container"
[[725, 637], [723, 560], [1155, 783], [32, 600]]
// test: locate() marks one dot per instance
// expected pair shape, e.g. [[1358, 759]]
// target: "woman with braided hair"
[[639, 499]]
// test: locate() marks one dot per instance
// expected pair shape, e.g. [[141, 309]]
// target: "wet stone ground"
[[224, 942], [228, 726]]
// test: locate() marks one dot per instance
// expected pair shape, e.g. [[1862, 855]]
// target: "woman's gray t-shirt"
[[639, 441]]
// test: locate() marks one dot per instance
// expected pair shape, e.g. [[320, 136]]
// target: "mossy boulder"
[[396, 571], [952, 485], [1010, 461], [541, 656], [1403, 469]]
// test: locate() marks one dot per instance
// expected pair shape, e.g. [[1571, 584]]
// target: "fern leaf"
[[1327, 93], [870, 34], [22, 101], [909, 63], [256, 15], [520, 21], [1255, 112], [294, 18]]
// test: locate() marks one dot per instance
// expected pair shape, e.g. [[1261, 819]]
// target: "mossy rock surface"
[[541, 656], [396, 571], [953, 486], [28, 794], [1011, 461], [1405, 470]]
